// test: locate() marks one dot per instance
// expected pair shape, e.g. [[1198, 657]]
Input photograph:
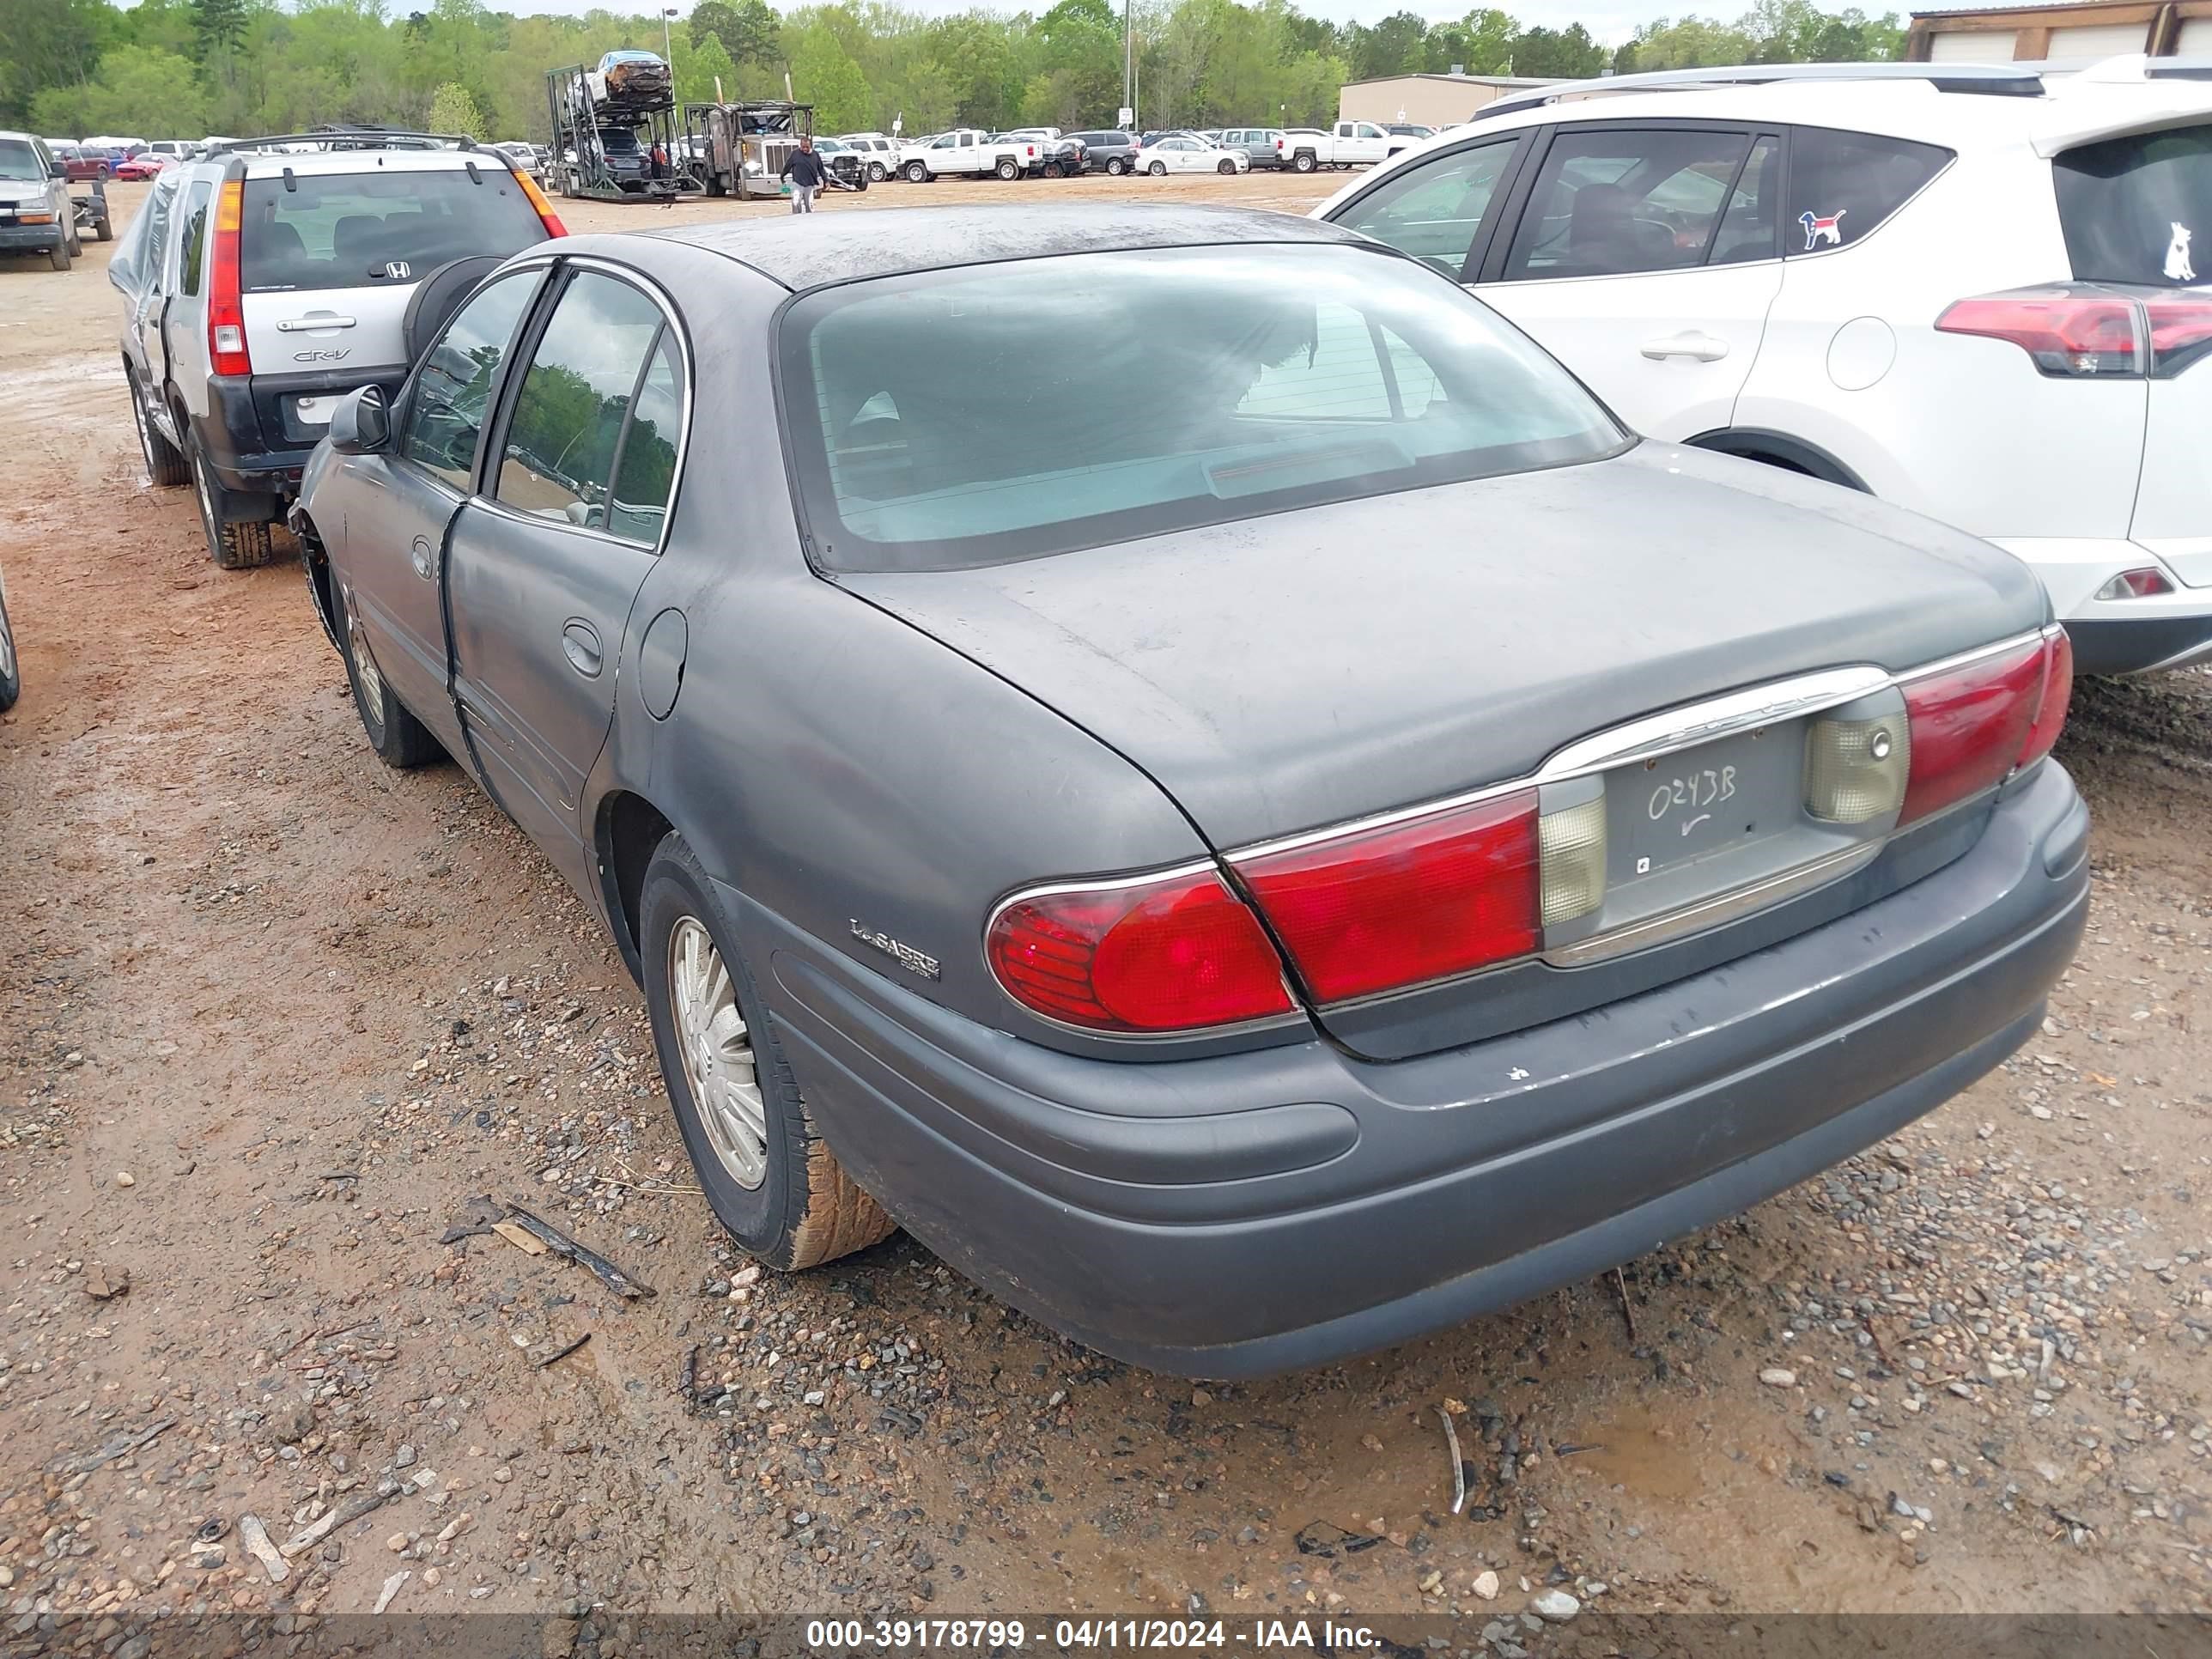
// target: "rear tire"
[[1117, 167], [1159, 169], [1302, 161], [1053, 170], [1008, 169], [401, 741], [231, 546], [774, 1184], [164, 465], [11, 672]]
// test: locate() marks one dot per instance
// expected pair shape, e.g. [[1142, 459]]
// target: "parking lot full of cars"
[[1529, 725]]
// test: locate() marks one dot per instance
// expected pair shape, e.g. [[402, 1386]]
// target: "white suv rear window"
[[349, 230], [2139, 209]]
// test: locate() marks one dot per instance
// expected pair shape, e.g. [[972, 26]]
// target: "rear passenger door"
[[546, 559], [1646, 257]]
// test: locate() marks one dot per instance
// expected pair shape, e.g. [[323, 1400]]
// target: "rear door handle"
[[1690, 342], [580, 642], [419, 555]]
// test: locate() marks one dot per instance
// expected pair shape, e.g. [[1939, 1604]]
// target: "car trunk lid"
[[1301, 671]]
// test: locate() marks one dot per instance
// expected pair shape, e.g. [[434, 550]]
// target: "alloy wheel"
[[717, 1051], [365, 674]]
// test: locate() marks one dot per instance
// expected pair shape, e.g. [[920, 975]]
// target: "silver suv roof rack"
[[346, 138], [2002, 80]]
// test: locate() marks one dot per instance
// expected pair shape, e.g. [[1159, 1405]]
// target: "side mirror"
[[56, 170], [360, 424]]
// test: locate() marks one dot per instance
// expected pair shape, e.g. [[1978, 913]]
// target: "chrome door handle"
[[579, 643], [1688, 343], [310, 323], [419, 556]]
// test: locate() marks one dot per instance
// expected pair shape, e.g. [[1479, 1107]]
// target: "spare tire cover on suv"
[[438, 295]]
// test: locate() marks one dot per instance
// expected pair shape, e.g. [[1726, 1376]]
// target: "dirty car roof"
[[804, 251]]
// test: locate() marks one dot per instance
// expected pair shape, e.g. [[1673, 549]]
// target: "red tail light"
[[2070, 336], [226, 311], [1972, 724], [1374, 909], [2050, 708], [536, 198], [2180, 332], [1166, 953]]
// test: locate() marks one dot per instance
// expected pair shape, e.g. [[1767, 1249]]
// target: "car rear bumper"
[[244, 436], [2119, 636], [1287, 1206], [30, 239]]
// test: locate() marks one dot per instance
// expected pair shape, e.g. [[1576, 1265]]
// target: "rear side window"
[[1610, 203], [576, 400], [1842, 186], [195, 234], [351, 230], [2139, 209]]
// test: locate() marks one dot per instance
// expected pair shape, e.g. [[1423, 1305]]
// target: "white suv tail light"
[[2083, 331]]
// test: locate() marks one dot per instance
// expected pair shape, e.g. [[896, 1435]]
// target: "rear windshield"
[[2139, 209], [1216, 383], [348, 230]]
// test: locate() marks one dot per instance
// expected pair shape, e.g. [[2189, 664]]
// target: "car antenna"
[[291, 181], [475, 178]]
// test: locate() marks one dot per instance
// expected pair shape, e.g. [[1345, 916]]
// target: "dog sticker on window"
[[2178, 268], [1819, 229]]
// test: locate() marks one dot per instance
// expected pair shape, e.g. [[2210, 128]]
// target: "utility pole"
[[1129, 65], [667, 41]]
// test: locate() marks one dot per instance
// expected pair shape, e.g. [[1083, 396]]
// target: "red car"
[[144, 165], [84, 163]]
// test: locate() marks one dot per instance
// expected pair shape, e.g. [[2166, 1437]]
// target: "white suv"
[[1974, 292], [262, 283]]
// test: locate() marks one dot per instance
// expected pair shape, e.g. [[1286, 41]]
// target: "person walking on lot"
[[807, 174]]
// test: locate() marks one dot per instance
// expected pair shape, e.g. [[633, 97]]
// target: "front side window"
[[1748, 228], [1434, 211], [560, 452], [2139, 209], [1221, 384], [453, 387], [1843, 185], [1611, 203]]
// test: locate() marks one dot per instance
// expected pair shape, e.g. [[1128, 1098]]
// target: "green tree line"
[[192, 68]]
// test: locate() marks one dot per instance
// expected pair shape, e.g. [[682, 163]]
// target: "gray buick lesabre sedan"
[[1366, 841]]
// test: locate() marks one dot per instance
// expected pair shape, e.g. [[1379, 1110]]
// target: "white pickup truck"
[[1348, 144], [971, 150]]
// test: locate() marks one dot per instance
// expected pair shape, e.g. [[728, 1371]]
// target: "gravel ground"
[[274, 1019]]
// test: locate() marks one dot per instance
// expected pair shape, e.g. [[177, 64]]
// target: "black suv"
[[1108, 149]]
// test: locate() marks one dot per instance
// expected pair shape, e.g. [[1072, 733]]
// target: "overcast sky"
[[1610, 21]]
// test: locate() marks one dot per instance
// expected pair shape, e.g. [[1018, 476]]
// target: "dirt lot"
[[269, 1015]]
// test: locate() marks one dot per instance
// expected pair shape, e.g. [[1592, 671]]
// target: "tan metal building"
[[1434, 100], [2073, 34]]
